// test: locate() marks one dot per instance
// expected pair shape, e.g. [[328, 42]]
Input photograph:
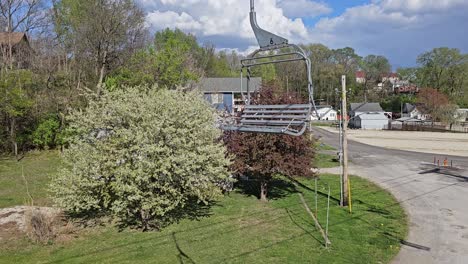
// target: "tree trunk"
[[62, 127], [102, 73], [10, 52], [10, 46], [263, 190], [15, 147], [144, 220], [365, 93], [13, 136]]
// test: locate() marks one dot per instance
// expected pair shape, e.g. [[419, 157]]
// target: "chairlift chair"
[[291, 119]]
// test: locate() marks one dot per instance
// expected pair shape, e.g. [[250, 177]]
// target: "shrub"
[[261, 156], [140, 155], [42, 224], [46, 132]]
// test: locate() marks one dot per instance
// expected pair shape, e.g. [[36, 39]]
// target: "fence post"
[[328, 213], [316, 207]]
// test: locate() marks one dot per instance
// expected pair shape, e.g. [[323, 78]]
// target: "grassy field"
[[324, 123], [239, 229], [37, 168], [323, 160], [322, 146]]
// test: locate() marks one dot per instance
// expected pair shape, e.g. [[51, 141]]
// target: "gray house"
[[376, 121], [412, 111], [368, 116], [360, 108], [225, 94]]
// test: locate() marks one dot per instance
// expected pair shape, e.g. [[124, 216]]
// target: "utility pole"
[[340, 154], [346, 197], [401, 109]]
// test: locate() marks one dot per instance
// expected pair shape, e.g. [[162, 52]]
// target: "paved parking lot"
[[455, 144], [435, 203]]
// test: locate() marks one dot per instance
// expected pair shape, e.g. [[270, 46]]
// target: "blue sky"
[[397, 29], [338, 8]]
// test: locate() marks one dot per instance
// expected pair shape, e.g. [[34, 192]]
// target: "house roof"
[[324, 106], [366, 107], [373, 116], [219, 85], [408, 108], [408, 119], [14, 37], [323, 111], [391, 75], [360, 74]]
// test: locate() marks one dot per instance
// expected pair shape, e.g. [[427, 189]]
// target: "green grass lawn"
[[37, 167], [323, 160], [322, 146], [324, 124], [238, 229]]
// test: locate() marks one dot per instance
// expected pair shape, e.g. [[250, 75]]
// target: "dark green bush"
[[45, 135]]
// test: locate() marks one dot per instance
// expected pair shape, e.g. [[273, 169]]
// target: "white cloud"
[[212, 19], [161, 20], [243, 52], [398, 29], [303, 8], [422, 6]]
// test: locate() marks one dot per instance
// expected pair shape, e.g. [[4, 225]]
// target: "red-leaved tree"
[[261, 156], [430, 99], [436, 104]]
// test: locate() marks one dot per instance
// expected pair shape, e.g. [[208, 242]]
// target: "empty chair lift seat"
[[278, 119], [289, 119]]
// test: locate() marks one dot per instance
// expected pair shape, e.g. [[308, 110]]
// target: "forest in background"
[[77, 47]]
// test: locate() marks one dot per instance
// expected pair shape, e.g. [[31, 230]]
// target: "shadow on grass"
[[379, 211], [89, 218], [193, 210], [300, 184], [302, 228], [210, 234], [371, 208], [183, 257], [277, 188]]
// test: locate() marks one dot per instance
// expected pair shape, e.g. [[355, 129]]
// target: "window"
[[217, 98]]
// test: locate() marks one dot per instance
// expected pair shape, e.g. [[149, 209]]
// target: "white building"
[[325, 113], [361, 108], [367, 116], [376, 121], [410, 110], [360, 77], [462, 115], [392, 77]]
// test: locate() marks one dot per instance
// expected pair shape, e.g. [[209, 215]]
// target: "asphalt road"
[[437, 205]]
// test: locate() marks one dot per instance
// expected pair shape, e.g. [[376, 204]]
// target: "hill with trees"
[[88, 46]]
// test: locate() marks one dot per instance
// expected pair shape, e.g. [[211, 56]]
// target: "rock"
[[15, 216]]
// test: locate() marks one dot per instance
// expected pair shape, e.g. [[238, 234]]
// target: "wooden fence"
[[429, 127]]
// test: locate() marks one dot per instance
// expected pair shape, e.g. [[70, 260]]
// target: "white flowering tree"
[[141, 155]]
